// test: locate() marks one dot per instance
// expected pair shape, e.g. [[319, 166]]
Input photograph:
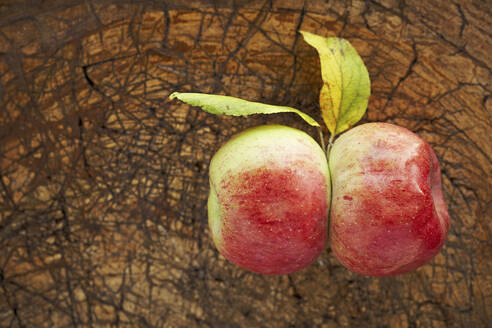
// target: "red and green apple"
[[269, 199], [388, 213]]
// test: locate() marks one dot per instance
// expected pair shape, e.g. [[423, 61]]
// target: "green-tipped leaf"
[[225, 105]]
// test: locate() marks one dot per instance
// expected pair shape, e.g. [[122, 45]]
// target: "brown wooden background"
[[103, 181]]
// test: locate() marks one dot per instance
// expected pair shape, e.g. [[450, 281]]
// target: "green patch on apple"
[[272, 189]]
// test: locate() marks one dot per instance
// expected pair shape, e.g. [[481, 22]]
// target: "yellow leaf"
[[346, 84]]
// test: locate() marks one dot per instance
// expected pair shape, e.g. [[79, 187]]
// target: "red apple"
[[388, 213], [269, 199]]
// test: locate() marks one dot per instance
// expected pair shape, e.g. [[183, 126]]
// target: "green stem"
[[330, 144], [321, 138]]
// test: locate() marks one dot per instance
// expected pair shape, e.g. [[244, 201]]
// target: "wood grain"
[[103, 181]]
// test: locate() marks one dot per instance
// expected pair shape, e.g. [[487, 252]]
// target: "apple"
[[269, 199], [388, 214]]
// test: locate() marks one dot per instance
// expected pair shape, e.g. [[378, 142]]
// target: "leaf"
[[216, 104], [346, 84]]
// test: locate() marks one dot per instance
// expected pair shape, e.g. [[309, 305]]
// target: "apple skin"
[[269, 199], [388, 213]]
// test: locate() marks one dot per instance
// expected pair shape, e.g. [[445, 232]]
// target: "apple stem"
[[321, 138], [330, 144]]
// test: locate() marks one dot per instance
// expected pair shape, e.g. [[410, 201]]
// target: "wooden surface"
[[103, 181]]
